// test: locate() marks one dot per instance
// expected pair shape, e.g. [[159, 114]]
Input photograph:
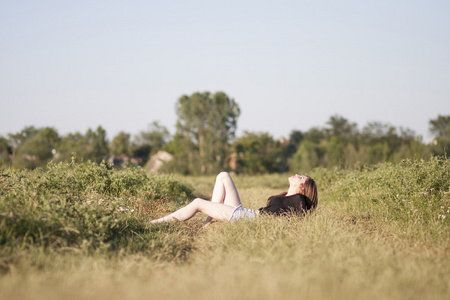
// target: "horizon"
[[238, 134]]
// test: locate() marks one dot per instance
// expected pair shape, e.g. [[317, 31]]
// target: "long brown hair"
[[310, 191]]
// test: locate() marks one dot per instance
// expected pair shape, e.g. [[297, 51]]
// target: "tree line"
[[205, 143]]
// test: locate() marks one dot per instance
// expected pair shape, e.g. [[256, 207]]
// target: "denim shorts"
[[242, 213]]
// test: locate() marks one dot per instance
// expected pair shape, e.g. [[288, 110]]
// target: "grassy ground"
[[363, 242]]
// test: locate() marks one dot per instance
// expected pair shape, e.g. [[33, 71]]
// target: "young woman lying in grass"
[[225, 204]]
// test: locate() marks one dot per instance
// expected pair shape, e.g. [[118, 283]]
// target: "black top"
[[280, 205]]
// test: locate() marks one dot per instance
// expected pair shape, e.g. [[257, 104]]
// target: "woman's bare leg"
[[217, 211], [224, 199], [224, 192]]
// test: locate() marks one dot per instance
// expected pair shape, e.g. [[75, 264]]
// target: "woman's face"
[[298, 180]]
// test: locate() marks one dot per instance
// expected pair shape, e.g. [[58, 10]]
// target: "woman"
[[225, 204]]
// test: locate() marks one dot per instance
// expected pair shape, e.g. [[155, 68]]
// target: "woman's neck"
[[292, 191]]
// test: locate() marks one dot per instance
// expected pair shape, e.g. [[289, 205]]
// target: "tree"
[[440, 128], [36, 148], [5, 151], [257, 153], [341, 128], [355, 157], [288, 149], [307, 157], [150, 141], [296, 137], [97, 145], [72, 146], [314, 135], [177, 147], [207, 124], [339, 135], [120, 144], [333, 152], [18, 138], [385, 142], [91, 146]]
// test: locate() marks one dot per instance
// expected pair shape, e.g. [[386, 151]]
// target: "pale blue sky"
[[74, 65]]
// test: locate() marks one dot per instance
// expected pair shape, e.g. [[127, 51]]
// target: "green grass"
[[379, 233]]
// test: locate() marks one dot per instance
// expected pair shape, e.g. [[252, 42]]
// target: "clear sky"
[[74, 65]]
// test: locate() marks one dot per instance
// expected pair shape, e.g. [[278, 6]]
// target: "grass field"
[[378, 233]]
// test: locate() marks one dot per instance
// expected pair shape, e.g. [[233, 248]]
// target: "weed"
[[79, 230], [85, 206]]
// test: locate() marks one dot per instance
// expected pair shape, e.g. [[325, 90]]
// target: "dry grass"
[[335, 253]]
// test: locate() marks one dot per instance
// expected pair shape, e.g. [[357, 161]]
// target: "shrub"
[[414, 193], [83, 206]]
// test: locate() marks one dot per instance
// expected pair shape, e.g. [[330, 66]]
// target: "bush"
[[413, 194], [83, 206]]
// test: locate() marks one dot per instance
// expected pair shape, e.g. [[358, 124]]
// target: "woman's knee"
[[223, 176], [196, 201], [199, 204]]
